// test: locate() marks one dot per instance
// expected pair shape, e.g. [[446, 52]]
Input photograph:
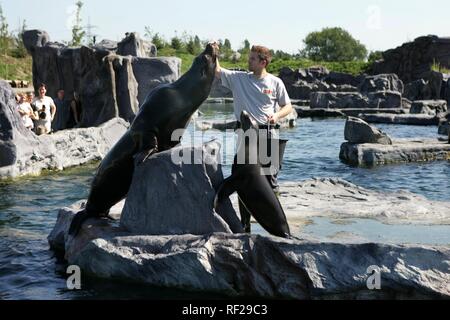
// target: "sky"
[[277, 24]]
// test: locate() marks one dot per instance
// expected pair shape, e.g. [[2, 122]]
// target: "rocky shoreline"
[[240, 265]]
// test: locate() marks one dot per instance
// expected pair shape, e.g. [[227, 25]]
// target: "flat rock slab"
[[254, 265], [338, 199], [401, 151], [408, 119], [67, 148]]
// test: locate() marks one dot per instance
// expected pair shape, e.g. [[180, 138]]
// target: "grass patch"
[[16, 68], [436, 66]]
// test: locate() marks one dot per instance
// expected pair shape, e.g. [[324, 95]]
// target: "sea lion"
[[252, 186], [167, 108]]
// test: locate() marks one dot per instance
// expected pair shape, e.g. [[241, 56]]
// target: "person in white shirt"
[[43, 103], [26, 112], [263, 96]]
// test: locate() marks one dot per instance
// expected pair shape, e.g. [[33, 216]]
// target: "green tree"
[[20, 51], [227, 44], [245, 48], [194, 45], [155, 38], [4, 33], [374, 56], [176, 43], [333, 44], [77, 30], [281, 55]]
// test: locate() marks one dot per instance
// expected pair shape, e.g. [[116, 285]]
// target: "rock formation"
[[359, 131], [270, 267], [24, 153], [413, 60], [109, 85]]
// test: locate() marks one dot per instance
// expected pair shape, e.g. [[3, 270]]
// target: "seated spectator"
[[45, 104], [25, 111]]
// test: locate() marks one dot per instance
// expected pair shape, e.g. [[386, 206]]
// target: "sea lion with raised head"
[[167, 108]]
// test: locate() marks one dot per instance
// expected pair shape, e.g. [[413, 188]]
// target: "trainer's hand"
[[273, 118]]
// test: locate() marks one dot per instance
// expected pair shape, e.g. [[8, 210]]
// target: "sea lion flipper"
[[149, 146], [141, 157], [227, 188], [77, 222]]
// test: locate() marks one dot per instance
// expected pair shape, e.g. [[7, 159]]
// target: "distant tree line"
[[327, 45], [11, 43]]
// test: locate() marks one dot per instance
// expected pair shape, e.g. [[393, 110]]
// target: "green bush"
[[333, 44]]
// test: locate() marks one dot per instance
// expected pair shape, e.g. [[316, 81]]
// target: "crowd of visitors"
[[44, 115]]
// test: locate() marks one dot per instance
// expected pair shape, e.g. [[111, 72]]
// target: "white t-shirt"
[[26, 107], [47, 102], [259, 97]]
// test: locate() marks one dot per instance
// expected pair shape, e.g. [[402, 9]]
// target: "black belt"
[[260, 126]]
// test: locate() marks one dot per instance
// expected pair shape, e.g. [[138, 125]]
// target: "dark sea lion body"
[[167, 108], [253, 188]]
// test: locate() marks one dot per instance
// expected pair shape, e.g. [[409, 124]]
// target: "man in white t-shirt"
[[262, 95], [45, 104]]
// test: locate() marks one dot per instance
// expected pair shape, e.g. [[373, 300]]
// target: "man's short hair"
[[263, 53], [42, 85]]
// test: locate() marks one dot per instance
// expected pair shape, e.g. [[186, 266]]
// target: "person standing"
[[264, 97], [62, 117], [45, 104], [76, 110], [25, 111]]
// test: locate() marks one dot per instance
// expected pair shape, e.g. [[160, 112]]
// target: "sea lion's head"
[[205, 63]]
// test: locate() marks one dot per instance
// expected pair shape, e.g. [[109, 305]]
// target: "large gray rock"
[[432, 87], [181, 202], [413, 60], [406, 119], [444, 128], [109, 85], [24, 153], [133, 45], [446, 91], [338, 100], [430, 107], [340, 78], [334, 198], [264, 266], [106, 45], [153, 72], [359, 131], [401, 151], [381, 82], [34, 38], [385, 99]]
